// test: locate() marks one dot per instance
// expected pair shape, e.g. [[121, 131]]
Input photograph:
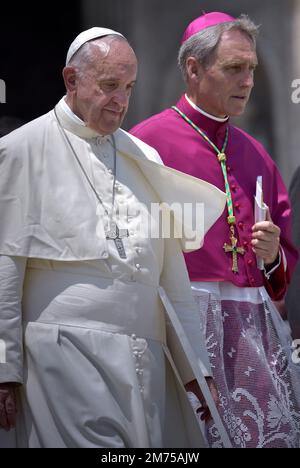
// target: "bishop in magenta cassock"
[[85, 301], [249, 349]]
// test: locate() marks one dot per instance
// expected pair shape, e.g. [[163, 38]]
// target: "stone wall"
[[155, 27]]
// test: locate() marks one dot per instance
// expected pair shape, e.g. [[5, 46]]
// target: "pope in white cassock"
[[88, 354]]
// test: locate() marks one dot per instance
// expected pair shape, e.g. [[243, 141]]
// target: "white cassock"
[[83, 329]]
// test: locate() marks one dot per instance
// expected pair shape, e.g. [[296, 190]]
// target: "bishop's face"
[[225, 85], [102, 94]]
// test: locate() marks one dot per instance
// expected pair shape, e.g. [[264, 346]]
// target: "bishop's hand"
[[193, 387], [266, 240], [8, 406]]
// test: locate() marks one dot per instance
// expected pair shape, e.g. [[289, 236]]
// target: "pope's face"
[[225, 84], [102, 94]]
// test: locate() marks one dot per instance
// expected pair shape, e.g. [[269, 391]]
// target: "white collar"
[[213, 117], [74, 124], [70, 113]]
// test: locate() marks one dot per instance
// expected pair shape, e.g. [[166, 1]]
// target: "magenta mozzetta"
[[181, 147]]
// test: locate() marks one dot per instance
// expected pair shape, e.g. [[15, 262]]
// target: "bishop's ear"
[[70, 78], [194, 69]]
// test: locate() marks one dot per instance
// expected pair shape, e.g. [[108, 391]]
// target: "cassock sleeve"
[[12, 271], [276, 280], [175, 281]]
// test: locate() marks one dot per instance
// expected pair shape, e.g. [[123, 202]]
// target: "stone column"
[[293, 158]]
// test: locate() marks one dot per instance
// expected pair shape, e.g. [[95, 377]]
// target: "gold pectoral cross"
[[235, 251], [116, 234]]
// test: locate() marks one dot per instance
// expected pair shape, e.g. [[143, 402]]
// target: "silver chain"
[[84, 171]]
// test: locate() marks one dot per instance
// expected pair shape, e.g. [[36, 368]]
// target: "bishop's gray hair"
[[203, 44]]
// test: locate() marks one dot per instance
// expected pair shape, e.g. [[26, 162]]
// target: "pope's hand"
[[266, 240], [8, 406], [193, 387]]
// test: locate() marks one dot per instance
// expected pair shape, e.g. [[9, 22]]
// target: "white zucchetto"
[[86, 36]]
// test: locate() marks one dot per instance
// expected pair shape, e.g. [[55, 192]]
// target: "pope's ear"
[[70, 78], [194, 69]]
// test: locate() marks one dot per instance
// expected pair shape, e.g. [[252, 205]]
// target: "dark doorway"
[[34, 38]]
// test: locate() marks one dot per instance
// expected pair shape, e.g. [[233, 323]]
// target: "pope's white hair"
[[87, 54]]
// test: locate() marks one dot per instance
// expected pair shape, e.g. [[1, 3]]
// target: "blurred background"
[[34, 38]]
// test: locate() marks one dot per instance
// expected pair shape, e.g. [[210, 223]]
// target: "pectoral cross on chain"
[[235, 251], [117, 235]]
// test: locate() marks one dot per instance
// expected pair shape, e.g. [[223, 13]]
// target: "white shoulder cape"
[[47, 208]]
